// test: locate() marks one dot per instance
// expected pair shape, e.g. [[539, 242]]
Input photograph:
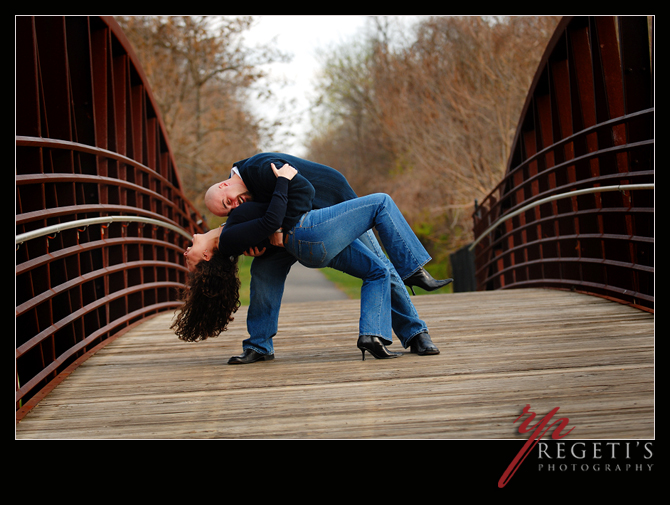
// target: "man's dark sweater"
[[314, 187]]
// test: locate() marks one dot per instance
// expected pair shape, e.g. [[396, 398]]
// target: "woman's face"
[[202, 248]]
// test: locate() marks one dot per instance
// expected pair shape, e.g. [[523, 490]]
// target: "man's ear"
[[223, 183]]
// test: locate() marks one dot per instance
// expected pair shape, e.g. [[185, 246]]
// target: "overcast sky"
[[303, 36]]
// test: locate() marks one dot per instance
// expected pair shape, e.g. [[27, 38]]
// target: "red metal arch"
[[89, 143], [587, 123]]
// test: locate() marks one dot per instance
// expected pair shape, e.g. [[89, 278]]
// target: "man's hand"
[[277, 239], [254, 252]]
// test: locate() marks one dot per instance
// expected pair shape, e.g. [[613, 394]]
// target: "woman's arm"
[[285, 171], [252, 222], [260, 180]]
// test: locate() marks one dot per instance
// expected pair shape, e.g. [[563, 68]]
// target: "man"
[[316, 186]]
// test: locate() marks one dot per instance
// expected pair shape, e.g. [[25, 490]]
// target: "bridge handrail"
[[569, 194], [49, 230]]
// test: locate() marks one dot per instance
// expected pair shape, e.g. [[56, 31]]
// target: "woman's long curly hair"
[[211, 297]]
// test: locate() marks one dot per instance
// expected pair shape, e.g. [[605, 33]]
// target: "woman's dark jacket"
[[250, 224]]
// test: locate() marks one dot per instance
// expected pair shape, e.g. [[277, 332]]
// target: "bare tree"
[[202, 73], [433, 119]]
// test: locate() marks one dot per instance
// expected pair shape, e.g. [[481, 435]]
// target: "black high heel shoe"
[[424, 280], [375, 347]]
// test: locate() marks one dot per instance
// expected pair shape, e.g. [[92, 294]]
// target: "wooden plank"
[[500, 350]]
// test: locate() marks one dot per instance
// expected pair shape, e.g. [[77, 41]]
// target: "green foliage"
[[244, 265], [351, 286]]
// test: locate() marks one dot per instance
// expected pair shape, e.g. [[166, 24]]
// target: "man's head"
[[224, 196]]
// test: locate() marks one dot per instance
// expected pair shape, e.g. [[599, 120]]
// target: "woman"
[[323, 237]]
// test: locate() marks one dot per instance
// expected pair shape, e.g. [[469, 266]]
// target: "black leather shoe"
[[375, 347], [423, 345], [424, 280], [250, 356]]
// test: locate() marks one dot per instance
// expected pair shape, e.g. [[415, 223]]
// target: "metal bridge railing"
[[101, 218], [85, 223], [587, 124]]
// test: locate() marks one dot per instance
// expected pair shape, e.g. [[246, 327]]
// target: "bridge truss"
[[101, 218], [575, 209]]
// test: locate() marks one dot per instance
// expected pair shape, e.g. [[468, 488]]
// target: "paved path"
[[309, 285]]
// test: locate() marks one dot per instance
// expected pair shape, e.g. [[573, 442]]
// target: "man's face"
[[226, 196]]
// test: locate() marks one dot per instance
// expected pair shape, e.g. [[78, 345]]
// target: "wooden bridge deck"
[[499, 351]]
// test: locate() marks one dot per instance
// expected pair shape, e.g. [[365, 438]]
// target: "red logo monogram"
[[534, 438]]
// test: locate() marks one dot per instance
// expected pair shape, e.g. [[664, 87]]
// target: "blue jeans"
[[340, 237]]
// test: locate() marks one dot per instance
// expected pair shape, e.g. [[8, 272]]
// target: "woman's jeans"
[[331, 237]]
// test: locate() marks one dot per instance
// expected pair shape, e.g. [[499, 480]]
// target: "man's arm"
[[259, 178]]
